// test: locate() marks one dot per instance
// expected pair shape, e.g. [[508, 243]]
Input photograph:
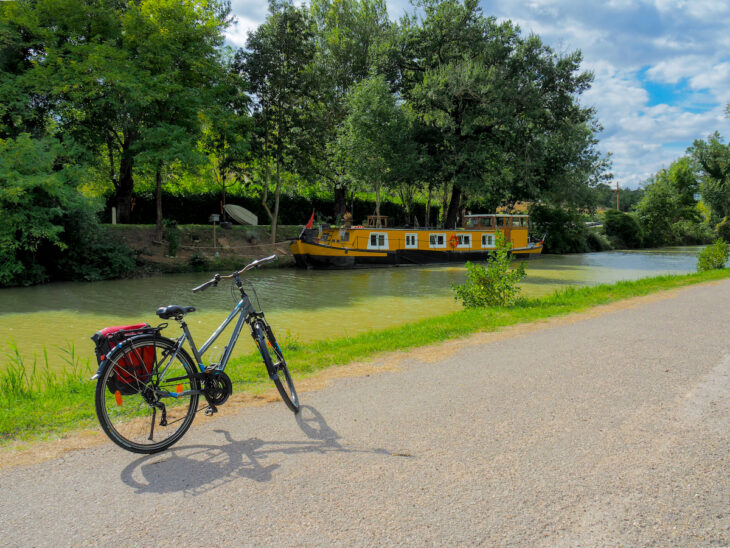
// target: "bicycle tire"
[[276, 365], [126, 414]]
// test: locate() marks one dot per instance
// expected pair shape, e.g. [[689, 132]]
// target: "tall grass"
[[36, 400]]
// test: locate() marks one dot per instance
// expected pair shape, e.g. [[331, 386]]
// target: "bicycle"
[[148, 374]]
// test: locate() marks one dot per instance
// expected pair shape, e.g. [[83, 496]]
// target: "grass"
[[36, 402]]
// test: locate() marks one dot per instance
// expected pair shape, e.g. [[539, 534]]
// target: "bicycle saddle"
[[173, 310]]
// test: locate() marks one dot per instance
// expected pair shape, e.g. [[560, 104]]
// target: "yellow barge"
[[346, 247]]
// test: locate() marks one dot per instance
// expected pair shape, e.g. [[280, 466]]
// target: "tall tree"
[[278, 64], [713, 158], [114, 73], [350, 37], [227, 132], [669, 198], [374, 139], [505, 105]]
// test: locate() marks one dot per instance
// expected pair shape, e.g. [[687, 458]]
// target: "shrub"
[[597, 241], [622, 229], [494, 284], [48, 230], [199, 262], [173, 236], [723, 229], [714, 256], [565, 229]]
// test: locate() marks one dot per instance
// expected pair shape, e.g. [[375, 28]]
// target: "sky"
[[661, 67]]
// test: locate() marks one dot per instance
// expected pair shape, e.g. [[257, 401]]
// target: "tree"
[[227, 132], [622, 228], [713, 158], [505, 106], [47, 229], [277, 63], [375, 141], [112, 74], [669, 198], [350, 37]]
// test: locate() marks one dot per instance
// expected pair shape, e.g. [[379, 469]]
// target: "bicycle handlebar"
[[217, 278]]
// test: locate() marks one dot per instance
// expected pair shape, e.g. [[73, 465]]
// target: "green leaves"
[[713, 257], [47, 229], [494, 284], [669, 199]]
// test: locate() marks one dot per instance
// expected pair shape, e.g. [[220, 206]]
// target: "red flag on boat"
[[310, 224]]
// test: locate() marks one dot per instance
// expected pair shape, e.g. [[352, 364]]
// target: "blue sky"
[[662, 67]]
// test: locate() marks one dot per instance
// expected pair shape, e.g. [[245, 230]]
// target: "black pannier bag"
[[132, 371]]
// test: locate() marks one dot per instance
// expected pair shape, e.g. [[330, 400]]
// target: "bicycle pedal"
[[210, 410]]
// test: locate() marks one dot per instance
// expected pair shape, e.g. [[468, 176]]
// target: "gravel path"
[[609, 430]]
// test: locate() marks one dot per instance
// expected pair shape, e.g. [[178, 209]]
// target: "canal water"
[[301, 305]]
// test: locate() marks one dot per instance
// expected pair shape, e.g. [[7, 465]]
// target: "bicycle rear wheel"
[[276, 365], [147, 395]]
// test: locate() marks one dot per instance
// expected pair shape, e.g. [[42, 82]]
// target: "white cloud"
[[678, 68], [237, 33]]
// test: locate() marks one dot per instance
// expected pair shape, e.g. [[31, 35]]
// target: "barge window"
[[378, 240], [515, 221], [500, 221], [464, 240], [437, 240], [487, 240], [523, 221], [411, 241]]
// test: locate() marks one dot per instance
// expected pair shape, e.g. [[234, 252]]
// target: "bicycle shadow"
[[197, 469]]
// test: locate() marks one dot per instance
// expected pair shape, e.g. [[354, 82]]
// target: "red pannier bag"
[[133, 370]]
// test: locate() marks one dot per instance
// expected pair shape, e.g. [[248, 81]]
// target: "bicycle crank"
[[217, 387]]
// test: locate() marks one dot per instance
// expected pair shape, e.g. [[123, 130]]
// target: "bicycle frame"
[[246, 311]]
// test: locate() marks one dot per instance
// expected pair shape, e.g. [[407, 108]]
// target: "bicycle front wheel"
[[147, 394], [276, 365]]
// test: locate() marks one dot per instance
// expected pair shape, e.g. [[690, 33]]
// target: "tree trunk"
[[276, 203], [444, 205], [126, 181], [224, 217], [377, 206], [158, 200], [340, 201], [428, 206], [453, 211]]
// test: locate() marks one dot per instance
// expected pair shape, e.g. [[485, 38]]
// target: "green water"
[[301, 305]]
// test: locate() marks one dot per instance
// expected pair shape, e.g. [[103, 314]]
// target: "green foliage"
[[723, 229], [494, 284], [374, 142], [505, 107], [47, 229], [669, 198], [173, 236], [199, 262], [124, 80], [713, 158], [622, 229], [597, 241], [564, 229], [628, 198], [713, 257]]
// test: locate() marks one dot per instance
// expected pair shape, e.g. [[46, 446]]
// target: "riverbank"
[[201, 248], [36, 403]]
